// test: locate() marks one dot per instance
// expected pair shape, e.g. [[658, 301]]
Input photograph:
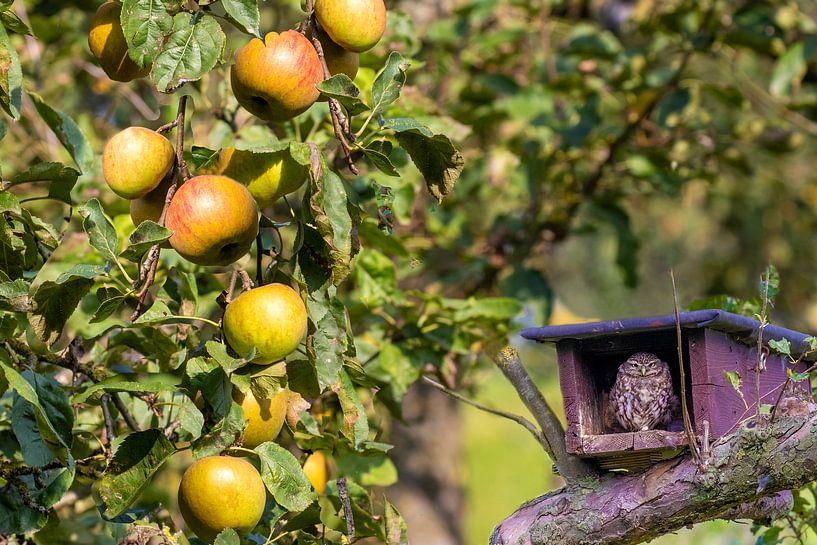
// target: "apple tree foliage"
[[96, 402], [570, 116]]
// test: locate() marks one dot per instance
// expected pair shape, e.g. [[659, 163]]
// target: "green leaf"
[[402, 124], [14, 295], [149, 383], [204, 157], [219, 353], [734, 379], [368, 470], [192, 50], [394, 527], [110, 300], [782, 346], [342, 89], [770, 283], [54, 302], [380, 160], [11, 77], [500, 309], [790, 68], [436, 158], [55, 418], [386, 88], [146, 235], [145, 23], [62, 179], [244, 14], [157, 313], [68, 133], [13, 23], [355, 424], [375, 277], [228, 536], [329, 340], [101, 232], [136, 460], [284, 477], [222, 435]]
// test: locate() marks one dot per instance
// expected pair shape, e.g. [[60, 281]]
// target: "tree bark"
[[746, 475]]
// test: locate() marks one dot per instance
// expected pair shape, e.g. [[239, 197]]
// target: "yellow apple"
[[220, 492], [339, 60], [356, 25], [107, 43], [150, 206], [263, 418], [214, 220], [135, 161], [271, 318], [315, 470], [268, 175], [275, 79]]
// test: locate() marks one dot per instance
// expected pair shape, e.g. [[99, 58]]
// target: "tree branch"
[[637, 507], [571, 468]]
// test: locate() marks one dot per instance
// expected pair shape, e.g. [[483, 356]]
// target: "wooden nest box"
[[715, 344]]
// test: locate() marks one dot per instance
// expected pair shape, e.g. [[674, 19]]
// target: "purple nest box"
[[714, 343]]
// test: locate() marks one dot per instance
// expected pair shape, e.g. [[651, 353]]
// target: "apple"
[[135, 161], [339, 60], [263, 418], [356, 25], [220, 492], [107, 43], [214, 220], [268, 175], [271, 318], [275, 79], [151, 205], [315, 470]]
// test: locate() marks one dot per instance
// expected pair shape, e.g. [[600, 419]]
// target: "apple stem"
[[340, 123], [147, 274], [246, 282]]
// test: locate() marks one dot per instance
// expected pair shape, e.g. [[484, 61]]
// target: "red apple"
[[214, 220], [275, 79]]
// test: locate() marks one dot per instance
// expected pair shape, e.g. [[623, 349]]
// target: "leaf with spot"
[[244, 15], [387, 86], [284, 477], [148, 234], [341, 88], [145, 23]]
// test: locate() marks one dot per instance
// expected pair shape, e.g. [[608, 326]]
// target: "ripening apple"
[[268, 175], [135, 161], [220, 492], [150, 206], [339, 60], [315, 470], [214, 220], [107, 43], [275, 79], [271, 318], [356, 25], [263, 418]]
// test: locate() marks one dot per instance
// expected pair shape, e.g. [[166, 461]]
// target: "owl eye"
[[653, 363]]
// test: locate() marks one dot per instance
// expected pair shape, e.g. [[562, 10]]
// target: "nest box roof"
[[739, 327]]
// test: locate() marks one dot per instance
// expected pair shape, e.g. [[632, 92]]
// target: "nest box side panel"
[[578, 394]]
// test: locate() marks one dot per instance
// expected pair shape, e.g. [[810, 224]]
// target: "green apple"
[[151, 205], [107, 43], [220, 492], [263, 418], [275, 79], [135, 161], [270, 318], [356, 25], [268, 175], [214, 220]]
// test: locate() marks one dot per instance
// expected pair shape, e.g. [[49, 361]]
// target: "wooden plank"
[[573, 432], [638, 342], [577, 383], [607, 443], [658, 439]]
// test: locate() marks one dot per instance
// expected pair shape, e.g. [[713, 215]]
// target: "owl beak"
[[643, 370]]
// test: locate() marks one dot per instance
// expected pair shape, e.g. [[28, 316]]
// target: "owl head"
[[643, 364]]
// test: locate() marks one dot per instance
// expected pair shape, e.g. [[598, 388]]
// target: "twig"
[[521, 420], [571, 468], [246, 283], [760, 357], [147, 274], [343, 492], [690, 433], [783, 391], [259, 264], [123, 410], [339, 120], [106, 414]]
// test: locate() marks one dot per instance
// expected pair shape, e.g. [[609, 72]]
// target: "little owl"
[[642, 398]]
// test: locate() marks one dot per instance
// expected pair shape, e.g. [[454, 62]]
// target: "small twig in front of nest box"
[[690, 433], [760, 364], [521, 420]]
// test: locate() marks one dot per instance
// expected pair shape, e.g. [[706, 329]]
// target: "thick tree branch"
[[744, 478], [571, 468]]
